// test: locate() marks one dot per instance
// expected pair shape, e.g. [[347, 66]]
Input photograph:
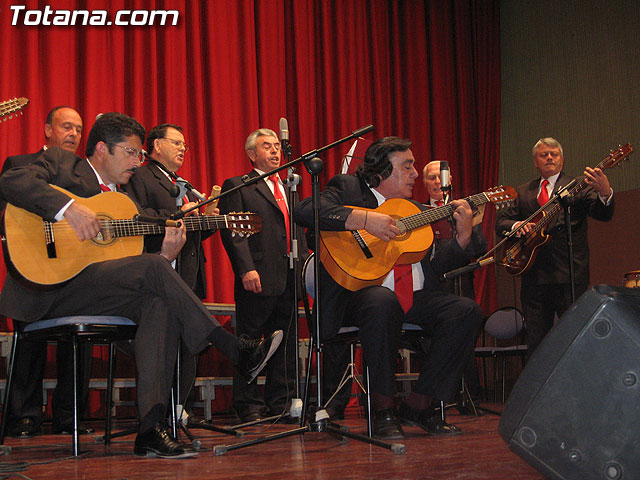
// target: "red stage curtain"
[[426, 70]]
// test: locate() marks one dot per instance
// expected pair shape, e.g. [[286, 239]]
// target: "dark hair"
[[113, 128], [159, 131], [52, 112], [376, 165]]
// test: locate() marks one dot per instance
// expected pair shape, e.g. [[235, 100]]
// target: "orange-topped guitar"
[[518, 253], [44, 254], [356, 259]]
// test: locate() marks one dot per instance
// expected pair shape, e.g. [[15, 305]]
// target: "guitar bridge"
[[362, 243], [50, 240]]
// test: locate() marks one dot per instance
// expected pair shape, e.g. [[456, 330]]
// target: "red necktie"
[[104, 188], [543, 196], [403, 285], [282, 204], [439, 203]]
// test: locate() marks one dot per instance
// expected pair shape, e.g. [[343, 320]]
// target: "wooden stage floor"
[[480, 453]]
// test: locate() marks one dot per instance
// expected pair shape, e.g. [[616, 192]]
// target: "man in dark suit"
[[462, 285], [452, 322], [546, 288], [153, 188], [63, 129], [264, 283], [143, 288]]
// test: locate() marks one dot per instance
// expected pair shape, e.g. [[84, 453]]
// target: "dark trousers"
[[451, 323], [148, 291], [540, 304], [27, 394], [258, 316]]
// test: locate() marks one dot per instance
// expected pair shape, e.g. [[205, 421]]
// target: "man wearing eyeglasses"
[[264, 283], [143, 288], [63, 129], [153, 189]]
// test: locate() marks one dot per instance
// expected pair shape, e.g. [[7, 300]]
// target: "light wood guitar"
[[356, 259], [45, 254], [519, 253], [9, 107]]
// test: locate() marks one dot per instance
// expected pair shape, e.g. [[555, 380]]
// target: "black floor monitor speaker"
[[575, 411]]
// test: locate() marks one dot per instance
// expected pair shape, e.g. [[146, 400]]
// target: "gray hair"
[[250, 144], [548, 141]]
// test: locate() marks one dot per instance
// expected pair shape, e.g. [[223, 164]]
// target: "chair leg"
[[8, 385], [76, 439], [107, 422], [504, 374]]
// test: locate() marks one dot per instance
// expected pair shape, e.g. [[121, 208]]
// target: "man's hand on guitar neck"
[[83, 221], [463, 215], [174, 240]]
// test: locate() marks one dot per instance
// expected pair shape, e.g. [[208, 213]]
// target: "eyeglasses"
[[132, 152], [177, 143]]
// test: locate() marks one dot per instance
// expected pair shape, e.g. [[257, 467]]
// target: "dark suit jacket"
[[28, 187], [150, 188], [551, 265], [265, 252], [351, 190], [17, 161]]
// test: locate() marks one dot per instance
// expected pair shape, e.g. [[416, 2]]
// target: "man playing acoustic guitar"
[[143, 288], [410, 293]]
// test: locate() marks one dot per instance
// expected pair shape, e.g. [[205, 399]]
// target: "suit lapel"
[[263, 188]]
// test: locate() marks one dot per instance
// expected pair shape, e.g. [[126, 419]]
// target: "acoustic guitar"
[[519, 253], [45, 254], [356, 259], [9, 107]]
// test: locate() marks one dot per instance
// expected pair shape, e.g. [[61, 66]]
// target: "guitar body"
[[349, 266], [25, 241], [518, 254]]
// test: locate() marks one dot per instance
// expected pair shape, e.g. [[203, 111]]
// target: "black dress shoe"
[[25, 428], [386, 426], [157, 442], [254, 354], [250, 417], [68, 430], [428, 419]]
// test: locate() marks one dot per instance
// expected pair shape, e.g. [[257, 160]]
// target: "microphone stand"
[[567, 200], [319, 423], [457, 288]]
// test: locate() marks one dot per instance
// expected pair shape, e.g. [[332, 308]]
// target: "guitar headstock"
[[615, 156], [9, 107], [243, 224], [501, 196]]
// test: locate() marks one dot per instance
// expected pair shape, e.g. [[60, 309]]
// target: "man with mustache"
[[546, 288], [63, 129], [144, 288]]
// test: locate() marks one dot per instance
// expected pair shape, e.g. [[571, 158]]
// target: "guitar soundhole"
[[106, 236]]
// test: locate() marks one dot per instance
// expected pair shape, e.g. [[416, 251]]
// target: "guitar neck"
[[129, 227], [434, 214]]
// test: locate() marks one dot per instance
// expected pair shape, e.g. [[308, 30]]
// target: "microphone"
[[284, 136], [445, 178], [188, 186], [362, 131]]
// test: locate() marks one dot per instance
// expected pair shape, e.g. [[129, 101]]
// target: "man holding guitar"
[[348, 203], [62, 128], [546, 288], [143, 288]]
